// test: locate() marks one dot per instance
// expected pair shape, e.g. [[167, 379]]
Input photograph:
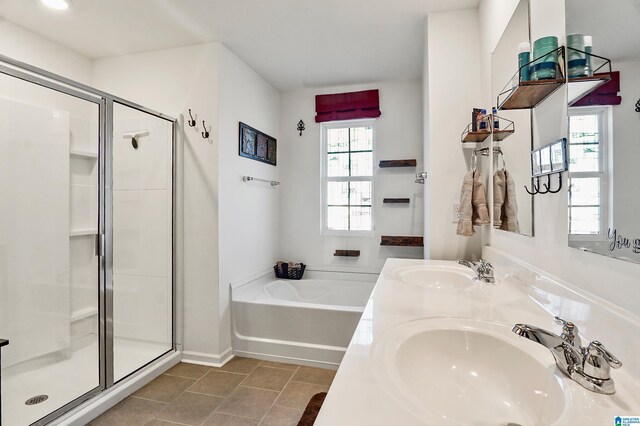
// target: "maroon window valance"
[[347, 106], [607, 94]]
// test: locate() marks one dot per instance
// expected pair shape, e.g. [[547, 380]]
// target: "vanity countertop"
[[358, 397]]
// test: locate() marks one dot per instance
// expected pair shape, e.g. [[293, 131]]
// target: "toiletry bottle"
[[496, 120], [588, 46], [474, 119], [524, 57], [482, 122]]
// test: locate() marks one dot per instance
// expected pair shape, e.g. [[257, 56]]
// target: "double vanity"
[[439, 343]]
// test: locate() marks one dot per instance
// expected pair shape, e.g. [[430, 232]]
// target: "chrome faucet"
[[590, 366], [483, 268]]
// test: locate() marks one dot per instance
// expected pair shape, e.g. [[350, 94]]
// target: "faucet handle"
[[569, 331], [598, 361]]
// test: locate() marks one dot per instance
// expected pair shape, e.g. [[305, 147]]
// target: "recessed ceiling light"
[[56, 4]]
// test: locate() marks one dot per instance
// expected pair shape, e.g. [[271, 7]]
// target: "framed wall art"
[[256, 145]]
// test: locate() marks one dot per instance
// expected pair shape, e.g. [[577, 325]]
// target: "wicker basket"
[[289, 274]]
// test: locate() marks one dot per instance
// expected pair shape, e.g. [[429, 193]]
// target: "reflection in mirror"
[[513, 206], [604, 150]]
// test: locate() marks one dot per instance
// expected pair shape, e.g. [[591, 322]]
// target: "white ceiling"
[[291, 43], [614, 26]]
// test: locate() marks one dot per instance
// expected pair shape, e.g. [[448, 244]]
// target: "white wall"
[[248, 212], [455, 88], [613, 280], [398, 136], [172, 81], [23, 45]]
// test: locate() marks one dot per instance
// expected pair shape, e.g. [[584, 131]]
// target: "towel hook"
[[205, 134], [192, 122], [548, 184], [536, 189]]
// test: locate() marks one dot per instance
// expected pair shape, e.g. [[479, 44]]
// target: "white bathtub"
[[309, 321]]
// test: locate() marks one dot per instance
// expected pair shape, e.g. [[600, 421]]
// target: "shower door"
[[142, 326], [50, 302]]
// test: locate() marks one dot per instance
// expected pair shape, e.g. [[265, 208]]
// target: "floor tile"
[[218, 383], [318, 376], [221, 419], [248, 402], [241, 365], [190, 371], [282, 416], [165, 388], [298, 394], [131, 411], [156, 422], [278, 365], [268, 378], [190, 408]]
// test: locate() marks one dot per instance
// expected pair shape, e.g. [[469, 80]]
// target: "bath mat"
[[313, 408]]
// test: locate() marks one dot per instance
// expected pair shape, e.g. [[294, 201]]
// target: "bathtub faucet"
[[483, 268], [590, 366]]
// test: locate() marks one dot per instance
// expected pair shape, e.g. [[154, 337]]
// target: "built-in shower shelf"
[[83, 154], [82, 232]]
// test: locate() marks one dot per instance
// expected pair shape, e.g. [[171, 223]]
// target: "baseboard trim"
[[288, 360], [210, 360]]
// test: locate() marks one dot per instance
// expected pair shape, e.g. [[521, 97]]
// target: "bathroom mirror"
[[604, 131], [512, 210]]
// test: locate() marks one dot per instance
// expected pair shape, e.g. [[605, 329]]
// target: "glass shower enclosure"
[[86, 241]]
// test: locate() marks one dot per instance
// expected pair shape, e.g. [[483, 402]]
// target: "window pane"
[[584, 158], [361, 139], [362, 164], [338, 218], [585, 192], [338, 193], [360, 218], [360, 193], [584, 129], [584, 220], [338, 165], [337, 140]]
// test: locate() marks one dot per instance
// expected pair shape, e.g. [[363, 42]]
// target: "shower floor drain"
[[36, 399]]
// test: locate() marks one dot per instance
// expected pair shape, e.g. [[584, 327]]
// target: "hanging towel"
[[465, 210], [510, 208], [499, 194], [473, 204], [479, 201]]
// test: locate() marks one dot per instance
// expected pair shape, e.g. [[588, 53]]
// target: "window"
[[588, 142], [347, 177]]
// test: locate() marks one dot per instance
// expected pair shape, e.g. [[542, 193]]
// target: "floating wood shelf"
[[476, 136], [398, 163], [396, 201], [500, 135], [530, 94], [387, 240], [347, 253]]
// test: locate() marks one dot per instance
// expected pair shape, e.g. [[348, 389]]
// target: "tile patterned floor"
[[245, 392]]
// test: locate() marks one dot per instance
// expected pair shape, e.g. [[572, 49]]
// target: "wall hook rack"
[[547, 185], [638, 106], [192, 122], [536, 189], [300, 127], [205, 133]]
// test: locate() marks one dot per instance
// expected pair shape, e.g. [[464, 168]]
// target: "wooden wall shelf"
[[396, 201], [398, 163], [500, 135], [530, 94], [347, 253], [388, 240], [476, 136]]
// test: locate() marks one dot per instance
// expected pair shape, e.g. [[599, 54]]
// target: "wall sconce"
[[300, 127]]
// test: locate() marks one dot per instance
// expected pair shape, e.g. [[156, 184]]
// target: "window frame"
[[324, 179], [604, 114]]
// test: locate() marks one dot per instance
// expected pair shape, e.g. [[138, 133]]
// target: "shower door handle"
[[100, 245]]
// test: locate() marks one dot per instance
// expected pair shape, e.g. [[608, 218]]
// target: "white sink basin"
[[436, 277], [449, 371]]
